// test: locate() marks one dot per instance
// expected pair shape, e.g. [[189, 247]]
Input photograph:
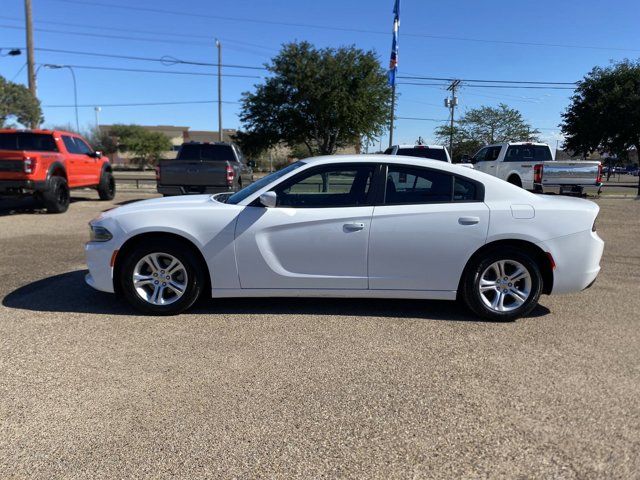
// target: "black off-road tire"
[[470, 288], [107, 186], [57, 197], [195, 276]]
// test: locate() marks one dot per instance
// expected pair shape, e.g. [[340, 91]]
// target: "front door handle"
[[353, 227], [468, 220]]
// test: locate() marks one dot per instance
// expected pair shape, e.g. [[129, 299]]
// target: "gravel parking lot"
[[310, 388]]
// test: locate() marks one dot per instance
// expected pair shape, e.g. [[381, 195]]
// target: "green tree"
[[147, 147], [324, 99], [102, 141], [18, 104], [485, 125], [604, 113]]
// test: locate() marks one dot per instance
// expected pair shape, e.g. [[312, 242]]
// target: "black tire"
[[472, 297], [107, 186], [514, 180], [57, 197], [195, 276]]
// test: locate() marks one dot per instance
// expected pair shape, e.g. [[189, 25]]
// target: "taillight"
[[29, 165], [230, 175], [537, 173], [599, 179]]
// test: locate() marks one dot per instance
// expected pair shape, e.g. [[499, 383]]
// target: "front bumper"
[[100, 274], [21, 187]]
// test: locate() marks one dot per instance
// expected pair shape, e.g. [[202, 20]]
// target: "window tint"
[[424, 152], [332, 186], [72, 147], [464, 190], [407, 185], [492, 154], [82, 146], [528, 153], [206, 151], [479, 157], [261, 183], [388, 151], [38, 142]]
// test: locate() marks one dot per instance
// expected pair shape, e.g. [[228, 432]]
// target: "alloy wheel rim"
[[160, 279], [505, 286]]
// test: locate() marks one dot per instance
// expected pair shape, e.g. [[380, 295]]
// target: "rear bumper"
[[21, 187], [192, 190], [577, 259]]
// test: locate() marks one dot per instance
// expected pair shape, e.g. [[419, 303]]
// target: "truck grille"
[[11, 165]]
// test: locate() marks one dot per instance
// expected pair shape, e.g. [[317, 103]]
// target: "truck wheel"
[[161, 277], [503, 285], [56, 198], [107, 186], [514, 180]]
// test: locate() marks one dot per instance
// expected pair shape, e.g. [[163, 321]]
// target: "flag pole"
[[393, 113], [393, 66]]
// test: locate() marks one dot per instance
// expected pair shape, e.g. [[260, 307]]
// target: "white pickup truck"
[[531, 166]]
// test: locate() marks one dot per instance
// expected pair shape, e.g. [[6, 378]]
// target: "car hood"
[[166, 203]]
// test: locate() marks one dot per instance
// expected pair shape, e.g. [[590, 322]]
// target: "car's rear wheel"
[[107, 186], [162, 277], [504, 285], [57, 197]]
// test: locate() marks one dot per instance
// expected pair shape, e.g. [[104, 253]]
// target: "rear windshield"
[[206, 152], [527, 153], [424, 152], [40, 142]]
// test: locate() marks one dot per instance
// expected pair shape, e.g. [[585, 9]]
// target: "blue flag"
[[393, 63]]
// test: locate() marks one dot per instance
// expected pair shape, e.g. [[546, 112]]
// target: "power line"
[[336, 28], [167, 72], [466, 85], [412, 77], [142, 104], [424, 119]]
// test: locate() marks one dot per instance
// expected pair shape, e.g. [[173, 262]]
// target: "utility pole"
[[219, 45], [393, 112], [97, 110], [451, 104], [30, 58]]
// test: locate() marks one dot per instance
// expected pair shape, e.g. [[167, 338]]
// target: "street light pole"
[[75, 86], [97, 110], [219, 46]]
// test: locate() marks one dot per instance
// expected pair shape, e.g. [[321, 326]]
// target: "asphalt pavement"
[[281, 388]]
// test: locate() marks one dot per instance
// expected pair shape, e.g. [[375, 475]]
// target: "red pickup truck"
[[48, 163]]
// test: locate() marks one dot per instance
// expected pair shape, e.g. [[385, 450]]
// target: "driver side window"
[[332, 186], [479, 157]]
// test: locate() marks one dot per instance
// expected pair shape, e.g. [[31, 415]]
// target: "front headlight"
[[99, 234]]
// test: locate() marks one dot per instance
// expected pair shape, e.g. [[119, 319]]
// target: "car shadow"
[[69, 293], [27, 205]]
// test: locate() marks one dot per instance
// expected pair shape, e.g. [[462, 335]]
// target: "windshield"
[[260, 184], [40, 142], [424, 152]]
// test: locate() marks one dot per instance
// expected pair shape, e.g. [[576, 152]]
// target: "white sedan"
[[351, 226]]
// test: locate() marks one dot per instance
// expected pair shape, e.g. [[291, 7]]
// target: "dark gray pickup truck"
[[204, 168]]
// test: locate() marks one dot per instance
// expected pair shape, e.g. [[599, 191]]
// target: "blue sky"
[[251, 34]]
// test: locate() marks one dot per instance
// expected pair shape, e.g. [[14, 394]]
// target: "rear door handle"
[[353, 227], [468, 220]]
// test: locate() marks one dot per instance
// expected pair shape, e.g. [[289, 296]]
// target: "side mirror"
[[96, 154], [466, 159], [269, 199]]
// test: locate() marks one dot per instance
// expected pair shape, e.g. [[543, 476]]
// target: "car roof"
[[440, 147]]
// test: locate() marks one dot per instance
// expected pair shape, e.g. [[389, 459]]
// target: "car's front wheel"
[[503, 285], [161, 277]]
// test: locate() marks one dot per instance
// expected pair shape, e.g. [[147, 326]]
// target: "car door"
[[317, 235], [89, 162], [428, 226], [486, 160], [75, 162]]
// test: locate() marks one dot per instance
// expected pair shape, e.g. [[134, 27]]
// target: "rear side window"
[[465, 190], [408, 185], [424, 152], [528, 153], [492, 154], [209, 152], [37, 142]]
